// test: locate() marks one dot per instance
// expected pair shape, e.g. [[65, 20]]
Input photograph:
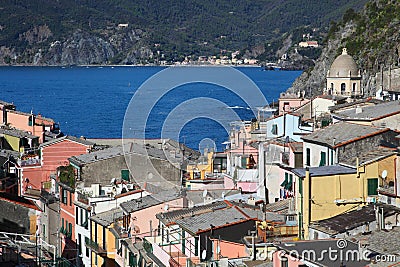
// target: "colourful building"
[[324, 192]]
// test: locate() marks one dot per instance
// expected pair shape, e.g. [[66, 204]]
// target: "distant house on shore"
[[309, 44]]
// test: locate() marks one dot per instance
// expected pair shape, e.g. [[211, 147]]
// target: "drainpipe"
[[378, 222], [266, 193], [395, 177], [301, 236], [307, 200]]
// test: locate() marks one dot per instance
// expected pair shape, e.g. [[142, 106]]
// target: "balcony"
[[29, 160], [285, 158], [92, 245]]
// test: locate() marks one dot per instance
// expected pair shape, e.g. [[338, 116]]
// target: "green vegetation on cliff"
[[174, 28], [371, 37]]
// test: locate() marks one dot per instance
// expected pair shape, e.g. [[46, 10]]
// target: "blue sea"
[[93, 101]]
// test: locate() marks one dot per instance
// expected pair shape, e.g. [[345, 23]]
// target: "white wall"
[[315, 152]]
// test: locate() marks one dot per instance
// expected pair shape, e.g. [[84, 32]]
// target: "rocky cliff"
[[371, 37], [112, 46]]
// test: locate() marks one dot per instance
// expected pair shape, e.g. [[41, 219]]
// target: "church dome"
[[344, 66]]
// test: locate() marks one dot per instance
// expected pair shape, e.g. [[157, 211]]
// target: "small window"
[[274, 129], [64, 196], [87, 252], [323, 159], [343, 88], [308, 157], [76, 215]]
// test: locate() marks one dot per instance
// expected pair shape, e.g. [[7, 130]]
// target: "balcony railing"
[[92, 245], [29, 161]]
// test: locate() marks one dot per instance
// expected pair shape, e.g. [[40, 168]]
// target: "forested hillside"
[[371, 36], [87, 32]]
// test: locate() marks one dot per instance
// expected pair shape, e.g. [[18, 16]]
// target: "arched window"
[[354, 87], [331, 89], [343, 88]]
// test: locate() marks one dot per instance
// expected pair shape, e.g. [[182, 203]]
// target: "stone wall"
[[353, 149], [15, 218], [141, 169]]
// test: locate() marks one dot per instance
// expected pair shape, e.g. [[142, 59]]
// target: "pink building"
[[35, 174], [34, 124], [291, 157], [288, 102]]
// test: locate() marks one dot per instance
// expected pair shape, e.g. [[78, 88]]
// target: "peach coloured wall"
[[228, 182], [292, 262], [250, 187], [57, 154], [145, 216], [229, 249], [21, 122], [53, 156], [293, 103], [34, 174]]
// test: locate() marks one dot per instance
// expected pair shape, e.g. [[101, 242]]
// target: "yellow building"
[[18, 140], [102, 242], [206, 165], [327, 191]]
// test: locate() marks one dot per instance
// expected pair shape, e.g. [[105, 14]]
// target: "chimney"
[[359, 110]]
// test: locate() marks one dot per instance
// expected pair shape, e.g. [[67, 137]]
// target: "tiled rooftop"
[[352, 219], [296, 147], [217, 218], [369, 156], [383, 241], [17, 133], [281, 206], [108, 217], [370, 112], [146, 202], [220, 213], [3, 103], [68, 137], [362, 102], [4, 153], [129, 148], [341, 133], [172, 216], [324, 170]]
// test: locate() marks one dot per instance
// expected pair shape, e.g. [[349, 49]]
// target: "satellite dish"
[[223, 195], [205, 193], [204, 254], [112, 181], [384, 174], [166, 207]]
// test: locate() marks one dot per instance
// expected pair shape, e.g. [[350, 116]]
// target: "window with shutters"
[[322, 161], [372, 187], [308, 157]]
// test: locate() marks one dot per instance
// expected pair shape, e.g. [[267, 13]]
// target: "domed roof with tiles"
[[344, 66]]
